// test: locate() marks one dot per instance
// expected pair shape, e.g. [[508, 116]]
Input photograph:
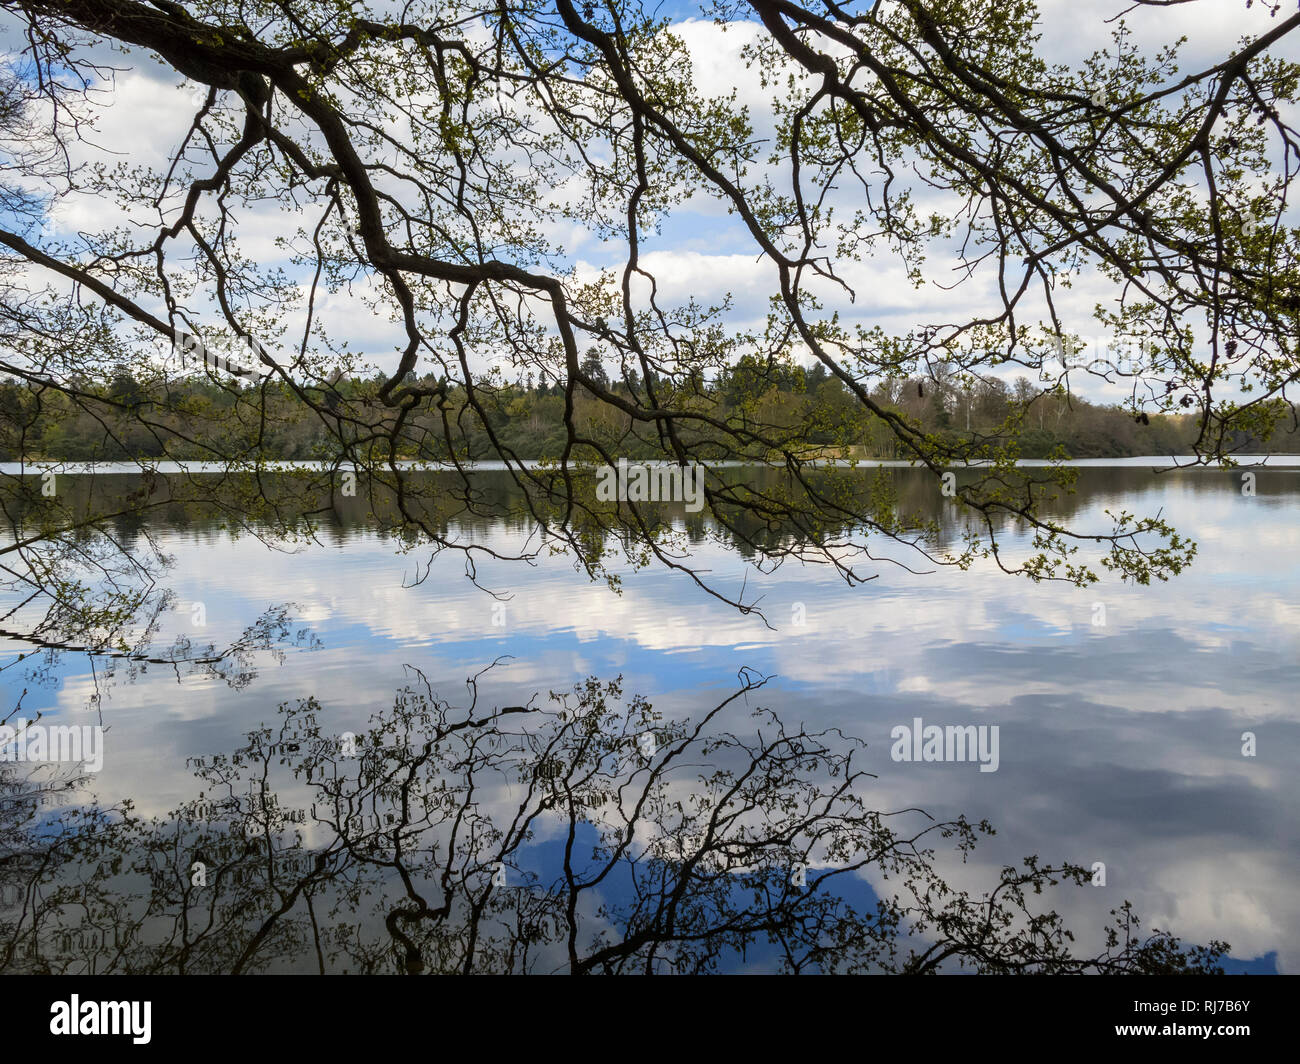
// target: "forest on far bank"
[[214, 416]]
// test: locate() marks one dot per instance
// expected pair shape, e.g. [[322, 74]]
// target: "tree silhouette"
[[431, 153]]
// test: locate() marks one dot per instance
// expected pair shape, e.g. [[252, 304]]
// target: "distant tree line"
[[128, 416]]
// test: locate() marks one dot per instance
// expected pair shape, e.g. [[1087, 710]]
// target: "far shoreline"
[[1159, 463]]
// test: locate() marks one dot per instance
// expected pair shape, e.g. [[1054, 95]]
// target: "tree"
[[594, 370], [426, 153]]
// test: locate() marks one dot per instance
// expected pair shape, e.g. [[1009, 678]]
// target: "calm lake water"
[[1121, 709]]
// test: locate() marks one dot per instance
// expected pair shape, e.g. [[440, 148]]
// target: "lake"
[[1122, 714]]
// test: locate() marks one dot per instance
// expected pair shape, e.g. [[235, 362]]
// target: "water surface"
[[1121, 710]]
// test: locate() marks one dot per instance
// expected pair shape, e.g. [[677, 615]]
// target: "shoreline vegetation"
[[135, 416], [34, 464]]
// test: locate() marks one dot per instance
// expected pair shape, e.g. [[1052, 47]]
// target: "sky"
[[701, 252]]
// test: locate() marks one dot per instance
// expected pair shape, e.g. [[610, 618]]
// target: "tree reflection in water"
[[578, 834]]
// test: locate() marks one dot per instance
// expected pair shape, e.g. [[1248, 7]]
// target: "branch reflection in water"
[[577, 833]]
